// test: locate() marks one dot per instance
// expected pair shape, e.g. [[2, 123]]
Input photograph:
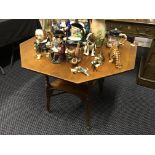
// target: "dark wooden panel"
[[133, 29], [140, 28]]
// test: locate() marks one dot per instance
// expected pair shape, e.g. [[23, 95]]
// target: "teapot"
[[115, 36], [77, 34]]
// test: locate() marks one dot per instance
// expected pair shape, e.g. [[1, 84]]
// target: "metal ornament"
[[80, 69], [98, 61]]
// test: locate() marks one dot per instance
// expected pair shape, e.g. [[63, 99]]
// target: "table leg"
[[88, 108], [12, 56], [83, 97], [2, 70], [88, 105], [100, 85], [48, 93]]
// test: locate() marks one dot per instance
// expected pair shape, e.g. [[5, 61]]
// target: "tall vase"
[[99, 29]]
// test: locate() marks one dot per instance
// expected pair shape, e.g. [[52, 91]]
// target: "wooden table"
[[77, 84], [139, 28], [62, 71]]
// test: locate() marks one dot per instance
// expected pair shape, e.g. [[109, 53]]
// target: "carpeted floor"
[[123, 108]]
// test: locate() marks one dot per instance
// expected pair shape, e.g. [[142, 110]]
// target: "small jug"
[[115, 36]]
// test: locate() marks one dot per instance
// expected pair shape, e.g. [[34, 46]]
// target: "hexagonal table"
[[62, 71], [77, 84]]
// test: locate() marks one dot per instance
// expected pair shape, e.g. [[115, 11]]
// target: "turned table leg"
[[88, 109], [2, 70], [48, 93], [100, 85]]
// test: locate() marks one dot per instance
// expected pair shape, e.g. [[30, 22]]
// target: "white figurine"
[[42, 43], [90, 45], [98, 61], [80, 69]]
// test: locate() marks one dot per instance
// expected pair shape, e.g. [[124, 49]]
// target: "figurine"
[[80, 69], [73, 56], [42, 43], [49, 44], [90, 45], [55, 25], [67, 28], [87, 26], [114, 55], [58, 49], [115, 36], [98, 28], [98, 61], [69, 54], [75, 61], [115, 39], [77, 33]]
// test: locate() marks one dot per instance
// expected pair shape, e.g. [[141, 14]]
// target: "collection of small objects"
[[71, 40]]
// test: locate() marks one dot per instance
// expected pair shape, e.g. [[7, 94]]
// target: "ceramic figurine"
[[67, 28], [77, 51], [58, 49], [49, 43], [76, 59], [98, 28], [98, 61], [77, 33], [55, 25], [114, 55], [42, 43], [115, 36], [73, 56], [87, 27], [80, 69], [90, 45], [69, 54]]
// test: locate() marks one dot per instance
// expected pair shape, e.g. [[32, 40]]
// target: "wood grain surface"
[[62, 71]]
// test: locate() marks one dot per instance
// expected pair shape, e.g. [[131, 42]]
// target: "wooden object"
[[2, 70], [80, 90], [142, 28], [62, 71], [77, 84]]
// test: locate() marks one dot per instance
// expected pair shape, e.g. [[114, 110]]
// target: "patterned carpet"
[[123, 108]]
